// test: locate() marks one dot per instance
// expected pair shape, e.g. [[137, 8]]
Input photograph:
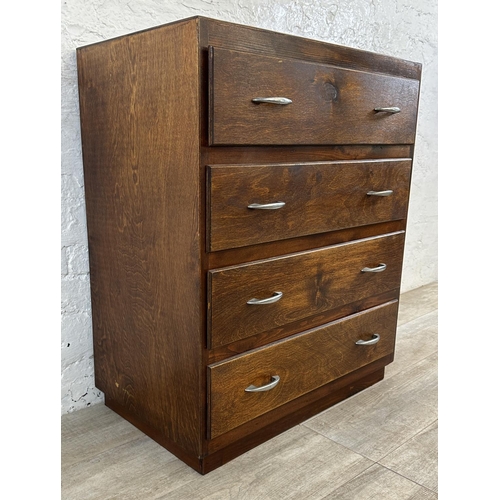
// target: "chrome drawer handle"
[[267, 206], [387, 192], [272, 100], [374, 340], [270, 300], [387, 110], [378, 269], [274, 382]]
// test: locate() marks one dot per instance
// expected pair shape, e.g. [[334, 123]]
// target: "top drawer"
[[329, 105]]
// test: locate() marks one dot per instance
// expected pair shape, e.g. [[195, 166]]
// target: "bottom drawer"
[[256, 382]]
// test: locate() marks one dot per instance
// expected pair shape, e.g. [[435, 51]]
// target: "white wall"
[[402, 28]]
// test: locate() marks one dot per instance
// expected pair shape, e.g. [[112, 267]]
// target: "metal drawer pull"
[[267, 206], [270, 300], [274, 382], [388, 192], [378, 269], [272, 100], [374, 340], [387, 110]]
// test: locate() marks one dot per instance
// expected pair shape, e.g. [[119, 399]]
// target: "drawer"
[[311, 198], [298, 286], [329, 105], [303, 363]]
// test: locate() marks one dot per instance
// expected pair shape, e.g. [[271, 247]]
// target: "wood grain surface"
[[319, 197], [233, 256], [330, 105], [151, 102], [271, 423], [303, 363], [311, 283], [218, 353], [143, 226], [234, 155], [217, 33]]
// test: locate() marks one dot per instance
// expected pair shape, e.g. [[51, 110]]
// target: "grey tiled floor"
[[378, 444]]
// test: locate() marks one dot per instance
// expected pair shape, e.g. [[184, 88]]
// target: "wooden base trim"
[[238, 441], [189, 459]]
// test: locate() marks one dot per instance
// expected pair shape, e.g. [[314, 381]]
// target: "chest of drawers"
[[247, 195]]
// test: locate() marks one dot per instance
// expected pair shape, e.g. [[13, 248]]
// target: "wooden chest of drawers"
[[247, 194]]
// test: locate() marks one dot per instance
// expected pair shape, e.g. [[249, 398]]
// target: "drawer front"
[[302, 363], [312, 198], [310, 283], [329, 105]]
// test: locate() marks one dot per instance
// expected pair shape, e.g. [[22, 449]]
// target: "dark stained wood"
[[260, 41], [204, 260], [303, 362], [144, 101], [236, 442], [330, 105], [311, 283], [274, 248], [156, 434], [258, 430], [260, 339], [233, 155], [319, 197], [143, 226]]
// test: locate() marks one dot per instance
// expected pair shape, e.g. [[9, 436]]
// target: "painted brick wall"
[[402, 28]]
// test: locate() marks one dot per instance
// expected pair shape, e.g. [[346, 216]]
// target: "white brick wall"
[[402, 28]]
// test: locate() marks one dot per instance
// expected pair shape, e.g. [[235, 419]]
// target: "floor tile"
[[415, 340], [418, 302], [417, 459], [424, 494], [298, 464], [87, 432], [376, 483], [380, 419], [140, 469]]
